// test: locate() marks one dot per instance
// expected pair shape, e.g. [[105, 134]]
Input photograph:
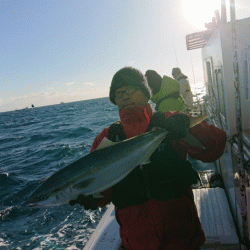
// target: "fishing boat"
[[222, 205]]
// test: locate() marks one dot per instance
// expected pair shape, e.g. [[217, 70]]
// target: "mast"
[[223, 12], [239, 124], [175, 52]]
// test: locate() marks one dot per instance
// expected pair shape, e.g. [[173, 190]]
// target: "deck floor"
[[212, 207]]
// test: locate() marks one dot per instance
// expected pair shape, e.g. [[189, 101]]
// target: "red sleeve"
[[107, 194], [99, 138], [211, 137]]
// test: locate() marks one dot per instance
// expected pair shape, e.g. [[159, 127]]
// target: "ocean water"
[[35, 143]]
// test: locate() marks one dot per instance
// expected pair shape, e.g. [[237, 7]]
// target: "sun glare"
[[199, 12]]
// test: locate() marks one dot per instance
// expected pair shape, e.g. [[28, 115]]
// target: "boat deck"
[[213, 210], [216, 219]]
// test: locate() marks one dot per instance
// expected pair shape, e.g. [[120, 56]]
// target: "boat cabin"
[[220, 103]]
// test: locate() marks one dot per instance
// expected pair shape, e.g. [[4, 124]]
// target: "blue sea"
[[34, 144]]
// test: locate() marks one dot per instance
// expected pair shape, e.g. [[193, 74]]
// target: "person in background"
[[185, 89], [166, 92], [154, 204]]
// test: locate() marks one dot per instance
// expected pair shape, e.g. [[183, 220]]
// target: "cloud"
[[131, 63], [69, 83], [89, 83], [83, 91], [35, 94], [22, 97]]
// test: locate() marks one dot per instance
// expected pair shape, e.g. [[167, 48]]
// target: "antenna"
[[192, 69], [175, 52], [196, 95]]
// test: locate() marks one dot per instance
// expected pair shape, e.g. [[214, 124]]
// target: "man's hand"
[[87, 201], [177, 125]]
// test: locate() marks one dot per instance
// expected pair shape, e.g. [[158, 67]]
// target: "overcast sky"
[[64, 51]]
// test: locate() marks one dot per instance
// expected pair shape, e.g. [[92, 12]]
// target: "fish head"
[[49, 192], [43, 197], [57, 195], [38, 200], [46, 200]]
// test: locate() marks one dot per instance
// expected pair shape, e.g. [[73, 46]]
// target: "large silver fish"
[[97, 171], [103, 168]]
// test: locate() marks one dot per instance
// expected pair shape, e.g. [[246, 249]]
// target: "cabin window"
[[220, 92], [212, 90], [248, 73], [216, 92], [209, 77], [245, 80]]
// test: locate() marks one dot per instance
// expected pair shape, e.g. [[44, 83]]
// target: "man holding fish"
[[154, 202]]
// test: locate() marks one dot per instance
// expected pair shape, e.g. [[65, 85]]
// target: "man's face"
[[127, 97]]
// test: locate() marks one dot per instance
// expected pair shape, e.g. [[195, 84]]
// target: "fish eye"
[[43, 198]]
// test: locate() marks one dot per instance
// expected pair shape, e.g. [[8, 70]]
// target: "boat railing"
[[246, 149], [197, 109], [215, 116]]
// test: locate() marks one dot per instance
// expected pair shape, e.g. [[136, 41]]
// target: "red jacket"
[[172, 224]]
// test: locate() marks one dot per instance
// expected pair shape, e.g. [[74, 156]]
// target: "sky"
[[54, 51]]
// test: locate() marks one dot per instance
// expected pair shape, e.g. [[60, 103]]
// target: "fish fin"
[[83, 184], [146, 160], [191, 140], [196, 120], [97, 195], [105, 143], [43, 179]]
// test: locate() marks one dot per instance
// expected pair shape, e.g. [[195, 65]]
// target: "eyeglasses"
[[129, 91]]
